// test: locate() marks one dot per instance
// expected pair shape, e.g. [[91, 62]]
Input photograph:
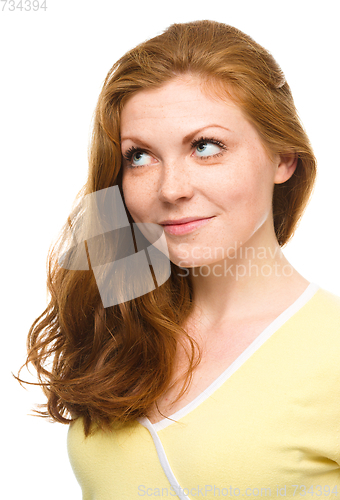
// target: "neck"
[[251, 279]]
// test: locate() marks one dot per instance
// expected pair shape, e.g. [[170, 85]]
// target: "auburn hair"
[[110, 365]]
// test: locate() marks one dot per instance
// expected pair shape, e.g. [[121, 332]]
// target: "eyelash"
[[196, 142]]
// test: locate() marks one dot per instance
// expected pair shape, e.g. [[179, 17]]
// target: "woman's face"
[[188, 154]]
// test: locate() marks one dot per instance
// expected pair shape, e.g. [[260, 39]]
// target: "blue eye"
[[207, 149], [137, 158]]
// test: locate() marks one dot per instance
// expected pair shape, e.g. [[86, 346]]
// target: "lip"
[[181, 221], [186, 227]]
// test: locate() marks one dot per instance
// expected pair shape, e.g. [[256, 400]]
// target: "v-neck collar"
[[274, 326]]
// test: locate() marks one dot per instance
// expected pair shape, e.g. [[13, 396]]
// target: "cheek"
[[129, 193], [136, 195], [248, 193]]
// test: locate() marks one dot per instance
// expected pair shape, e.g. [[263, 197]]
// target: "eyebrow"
[[186, 139]]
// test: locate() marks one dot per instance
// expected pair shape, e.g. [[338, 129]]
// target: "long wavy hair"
[[110, 365]]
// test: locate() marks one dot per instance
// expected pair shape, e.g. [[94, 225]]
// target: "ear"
[[285, 168]]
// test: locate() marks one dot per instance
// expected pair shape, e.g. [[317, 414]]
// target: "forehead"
[[183, 99]]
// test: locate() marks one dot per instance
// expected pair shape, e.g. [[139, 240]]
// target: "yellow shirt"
[[269, 426]]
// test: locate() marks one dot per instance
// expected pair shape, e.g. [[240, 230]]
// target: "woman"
[[224, 379]]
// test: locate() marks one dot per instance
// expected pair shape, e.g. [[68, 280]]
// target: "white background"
[[53, 64]]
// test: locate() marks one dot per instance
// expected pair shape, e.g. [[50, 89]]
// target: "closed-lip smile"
[[184, 226], [184, 220]]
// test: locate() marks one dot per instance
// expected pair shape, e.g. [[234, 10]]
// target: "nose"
[[175, 182]]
